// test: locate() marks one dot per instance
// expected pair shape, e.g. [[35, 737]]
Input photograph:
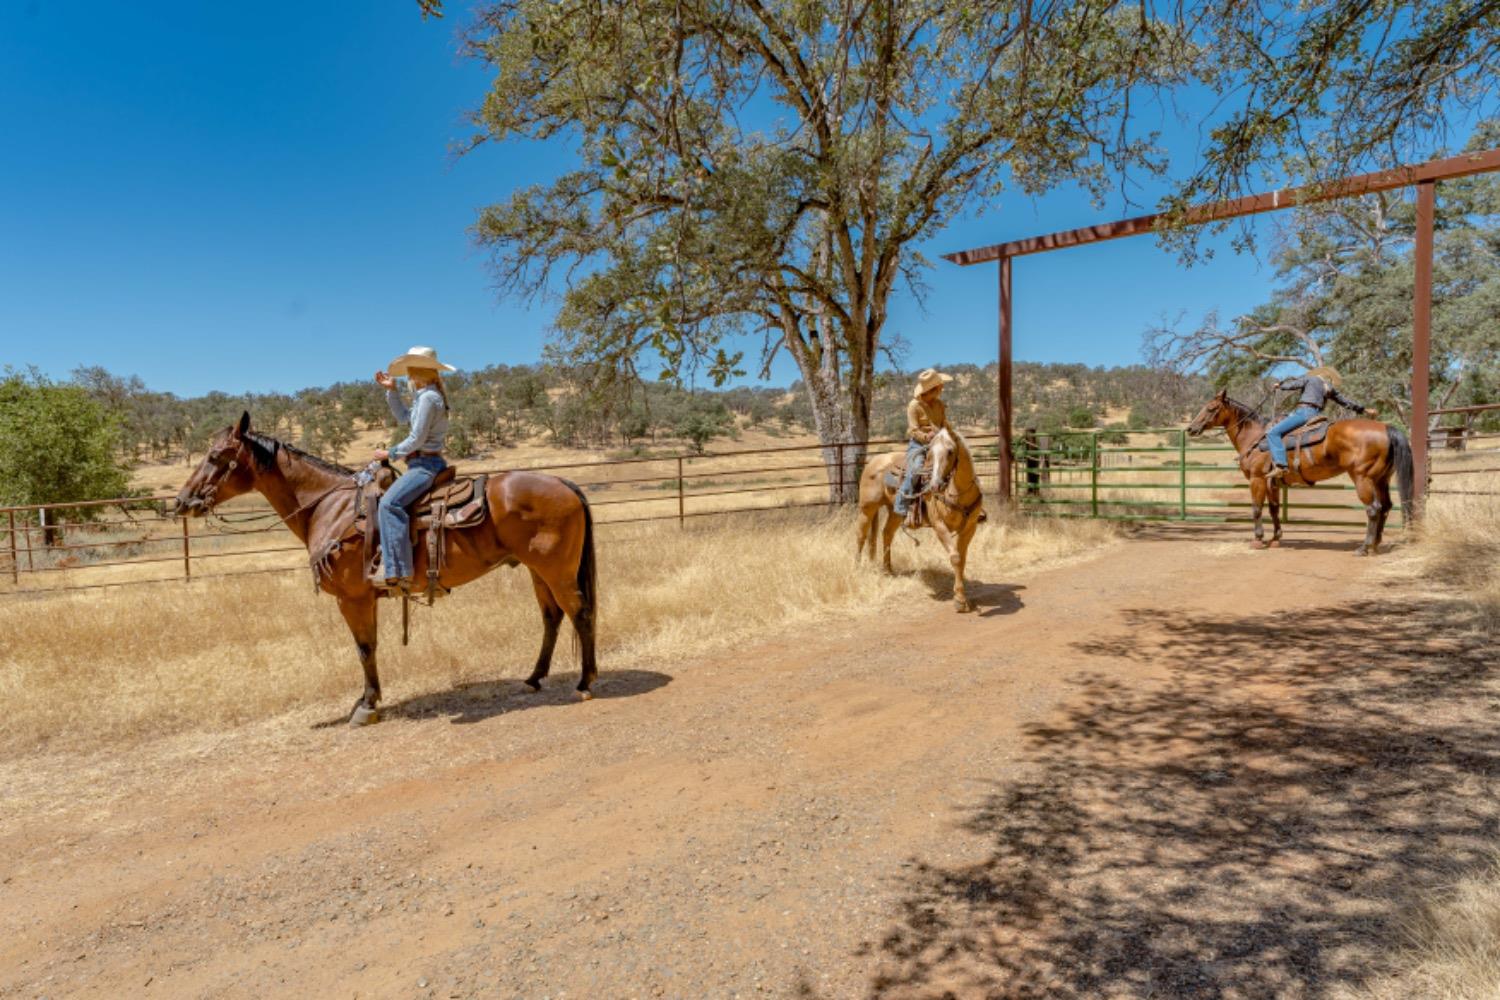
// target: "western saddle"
[[1311, 433], [453, 501]]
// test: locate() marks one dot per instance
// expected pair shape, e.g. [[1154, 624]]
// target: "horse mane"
[[263, 449], [1244, 410]]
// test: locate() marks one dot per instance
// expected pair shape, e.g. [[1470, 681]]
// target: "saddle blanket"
[[1303, 437]]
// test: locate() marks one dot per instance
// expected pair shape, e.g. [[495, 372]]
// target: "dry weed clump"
[[1453, 946], [1460, 547], [110, 664]]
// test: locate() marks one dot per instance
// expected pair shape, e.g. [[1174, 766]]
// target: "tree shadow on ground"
[[994, 598], [464, 704], [1317, 538], [1250, 827]]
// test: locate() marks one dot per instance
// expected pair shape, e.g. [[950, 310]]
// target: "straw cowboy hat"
[[929, 378], [420, 358], [1328, 375]]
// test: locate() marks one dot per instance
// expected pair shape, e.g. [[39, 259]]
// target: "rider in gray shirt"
[[1318, 386]]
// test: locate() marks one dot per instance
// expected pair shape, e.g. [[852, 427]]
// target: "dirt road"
[[1178, 769]]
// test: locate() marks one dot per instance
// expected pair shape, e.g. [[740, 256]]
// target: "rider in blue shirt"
[[422, 449]]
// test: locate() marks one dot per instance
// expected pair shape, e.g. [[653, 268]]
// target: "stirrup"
[[1277, 473]]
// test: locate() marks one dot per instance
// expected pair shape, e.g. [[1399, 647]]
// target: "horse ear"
[[244, 425], [1223, 395]]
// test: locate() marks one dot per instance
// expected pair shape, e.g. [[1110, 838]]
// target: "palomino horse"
[[952, 502], [1370, 451], [540, 521]]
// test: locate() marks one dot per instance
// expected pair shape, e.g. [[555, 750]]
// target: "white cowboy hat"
[[418, 357], [930, 377], [1328, 375]]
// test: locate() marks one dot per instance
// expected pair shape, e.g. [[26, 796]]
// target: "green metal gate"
[[1158, 474]]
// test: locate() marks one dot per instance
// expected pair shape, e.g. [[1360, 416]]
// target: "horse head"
[[1215, 413], [945, 450], [224, 473]]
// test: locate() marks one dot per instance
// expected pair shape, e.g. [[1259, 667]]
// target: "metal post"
[[187, 559], [1003, 446], [15, 561], [1029, 447], [840, 447], [1094, 475], [30, 566], [681, 515], [1182, 475], [1421, 344]]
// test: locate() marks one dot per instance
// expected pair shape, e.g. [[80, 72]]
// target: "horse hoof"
[[585, 695], [363, 716], [536, 686], [1361, 551], [1258, 545], [1274, 543]]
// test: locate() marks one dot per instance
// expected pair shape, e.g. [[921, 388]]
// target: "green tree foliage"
[[57, 444], [765, 167]]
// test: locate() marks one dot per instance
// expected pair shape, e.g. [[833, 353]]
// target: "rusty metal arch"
[[1423, 175]]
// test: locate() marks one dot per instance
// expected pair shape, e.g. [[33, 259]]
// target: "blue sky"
[[261, 197]]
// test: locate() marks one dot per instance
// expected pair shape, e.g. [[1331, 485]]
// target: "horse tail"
[[1401, 461], [588, 565]]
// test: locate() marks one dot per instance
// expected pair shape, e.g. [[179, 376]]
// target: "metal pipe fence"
[[1151, 474], [129, 540]]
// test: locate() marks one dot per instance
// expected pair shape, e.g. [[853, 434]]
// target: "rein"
[[939, 491], [210, 502]]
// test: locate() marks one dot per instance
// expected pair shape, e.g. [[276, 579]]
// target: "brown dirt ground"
[[1179, 769]]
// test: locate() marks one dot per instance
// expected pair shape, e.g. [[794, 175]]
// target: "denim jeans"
[[395, 519], [916, 455], [1289, 423]]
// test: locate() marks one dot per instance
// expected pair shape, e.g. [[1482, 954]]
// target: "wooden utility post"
[[1421, 345], [1003, 446]]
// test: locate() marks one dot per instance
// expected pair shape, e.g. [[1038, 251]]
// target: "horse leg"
[[867, 516], [1383, 495], [552, 616], [955, 559], [1273, 503], [960, 558], [359, 614], [1258, 491], [564, 590], [1366, 489], [888, 535]]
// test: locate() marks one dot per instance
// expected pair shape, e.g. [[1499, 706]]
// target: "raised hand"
[[384, 381]]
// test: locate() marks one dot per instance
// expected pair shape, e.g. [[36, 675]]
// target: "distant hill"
[[499, 407]]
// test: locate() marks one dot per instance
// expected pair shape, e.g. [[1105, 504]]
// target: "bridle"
[[208, 498], [938, 490]]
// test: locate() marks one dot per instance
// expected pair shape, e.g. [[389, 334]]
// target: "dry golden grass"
[[113, 664], [1452, 939], [1452, 948], [1460, 543]]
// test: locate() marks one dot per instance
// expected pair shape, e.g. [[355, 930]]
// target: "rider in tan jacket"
[[925, 416]]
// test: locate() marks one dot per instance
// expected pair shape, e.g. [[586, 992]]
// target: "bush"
[[57, 444]]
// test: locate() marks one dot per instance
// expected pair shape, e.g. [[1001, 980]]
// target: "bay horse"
[[539, 521], [1369, 451], [952, 502]]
